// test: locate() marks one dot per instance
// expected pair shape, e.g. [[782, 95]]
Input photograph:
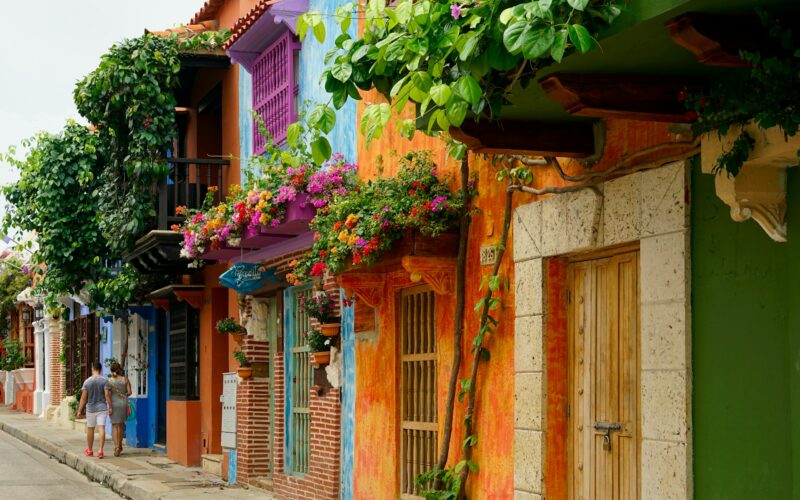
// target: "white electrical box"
[[228, 399]]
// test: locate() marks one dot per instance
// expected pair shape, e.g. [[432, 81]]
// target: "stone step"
[[212, 464]]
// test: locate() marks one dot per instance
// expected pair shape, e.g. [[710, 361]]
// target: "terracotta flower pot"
[[330, 329], [320, 358], [245, 371]]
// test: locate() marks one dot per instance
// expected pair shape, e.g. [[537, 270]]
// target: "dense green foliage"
[[767, 95], [12, 354], [12, 282], [89, 192], [451, 60]]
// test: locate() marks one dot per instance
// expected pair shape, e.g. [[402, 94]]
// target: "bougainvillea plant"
[[450, 59], [358, 228], [321, 307]]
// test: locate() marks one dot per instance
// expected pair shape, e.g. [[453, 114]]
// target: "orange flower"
[[293, 263], [213, 189], [316, 236], [180, 210], [338, 225], [175, 227]]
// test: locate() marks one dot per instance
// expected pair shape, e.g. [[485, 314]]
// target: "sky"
[[46, 46]]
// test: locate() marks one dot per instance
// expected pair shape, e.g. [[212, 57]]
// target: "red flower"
[[412, 192], [337, 226], [356, 259], [322, 254], [318, 269]]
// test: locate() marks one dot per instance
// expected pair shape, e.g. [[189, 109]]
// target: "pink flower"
[[455, 10]]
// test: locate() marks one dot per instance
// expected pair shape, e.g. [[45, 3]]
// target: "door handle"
[[608, 427]]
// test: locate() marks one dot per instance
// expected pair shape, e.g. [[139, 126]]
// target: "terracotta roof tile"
[[207, 12], [189, 30], [245, 22]]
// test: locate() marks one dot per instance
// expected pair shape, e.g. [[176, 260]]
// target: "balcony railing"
[[186, 185]]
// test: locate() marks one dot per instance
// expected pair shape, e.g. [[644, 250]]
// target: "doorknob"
[[607, 427]]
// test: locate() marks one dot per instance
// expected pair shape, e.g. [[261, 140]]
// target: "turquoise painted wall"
[[746, 351], [312, 58]]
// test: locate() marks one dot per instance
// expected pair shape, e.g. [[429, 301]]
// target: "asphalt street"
[[28, 474]]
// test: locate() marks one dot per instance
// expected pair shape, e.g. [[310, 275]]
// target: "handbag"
[[131, 407]]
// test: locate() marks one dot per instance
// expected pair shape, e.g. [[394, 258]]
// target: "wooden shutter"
[[419, 419], [183, 351], [274, 90], [603, 371], [301, 376]]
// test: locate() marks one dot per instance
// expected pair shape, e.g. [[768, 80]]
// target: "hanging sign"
[[245, 277]]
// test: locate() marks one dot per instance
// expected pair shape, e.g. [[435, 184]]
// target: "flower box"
[[320, 358], [298, 214], [412, 244], [222, 254]]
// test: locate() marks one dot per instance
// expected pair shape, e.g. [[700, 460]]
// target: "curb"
[[118, 482]]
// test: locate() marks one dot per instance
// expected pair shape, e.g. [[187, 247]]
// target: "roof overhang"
[[262, 26]]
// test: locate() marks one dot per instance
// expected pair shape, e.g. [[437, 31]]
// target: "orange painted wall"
[[376, 409], [183, 432]]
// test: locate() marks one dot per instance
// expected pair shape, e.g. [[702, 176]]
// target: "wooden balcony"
[[188, 183]]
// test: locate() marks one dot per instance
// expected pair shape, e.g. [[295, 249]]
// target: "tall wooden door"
[[603, 323]]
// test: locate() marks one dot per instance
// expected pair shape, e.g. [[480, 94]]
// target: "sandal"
[[117, 451], [100, 454], [88, 452]]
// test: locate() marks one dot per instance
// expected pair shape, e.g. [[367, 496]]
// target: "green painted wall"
[[746, 352]]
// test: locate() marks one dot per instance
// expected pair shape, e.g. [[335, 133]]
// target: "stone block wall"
[[650, 207]]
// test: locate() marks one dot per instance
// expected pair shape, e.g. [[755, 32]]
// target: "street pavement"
[[27, 473]]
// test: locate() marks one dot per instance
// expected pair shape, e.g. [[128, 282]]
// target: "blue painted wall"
[[312, 56], [348, 400]]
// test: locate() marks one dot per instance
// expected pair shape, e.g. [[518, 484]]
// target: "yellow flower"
[[265, 194], [351, 220], [235, 188], [221, 209], [263, 219], [261, 205], [353, 239], [343, 235]]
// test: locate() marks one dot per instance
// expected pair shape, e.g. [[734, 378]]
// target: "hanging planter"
[[230, 326], [322, 358], [330, 329], [245, 371]]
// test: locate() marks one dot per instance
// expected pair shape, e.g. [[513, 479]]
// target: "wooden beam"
[[716, 40], [564, 139], [631, 97]]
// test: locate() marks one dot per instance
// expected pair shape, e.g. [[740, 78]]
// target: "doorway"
[[603, 360]]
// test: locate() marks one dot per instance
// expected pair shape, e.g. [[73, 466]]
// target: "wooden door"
[[603, 324]]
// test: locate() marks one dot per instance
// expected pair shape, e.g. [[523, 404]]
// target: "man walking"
[[97, 402]]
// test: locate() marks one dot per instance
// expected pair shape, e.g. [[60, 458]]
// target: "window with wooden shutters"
[[419, 419], [300, 372], [184, 355], [275, 90]]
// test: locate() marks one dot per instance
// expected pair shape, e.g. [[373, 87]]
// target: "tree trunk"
[[469, 422], [458, 326]]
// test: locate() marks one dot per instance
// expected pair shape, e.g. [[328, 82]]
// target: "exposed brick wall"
[[56, 382], [253, 420]]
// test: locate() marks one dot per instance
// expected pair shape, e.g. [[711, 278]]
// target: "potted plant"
[[322, 307], [229, 325], [320, 347], [244, 371]]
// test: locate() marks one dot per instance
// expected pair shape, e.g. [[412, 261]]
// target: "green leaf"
[[320, 150], [468, 89], [441, 94], [559, 45], [581, 38], [292, 134], [466, 45], [302, 26], [374, 118], [422, 80], [537, 42], [578, 4], [513, 36], [319, 31], [342, 71], [456, 112], [323, 118]]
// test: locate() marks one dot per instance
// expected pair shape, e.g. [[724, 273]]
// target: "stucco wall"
[[746, 323]]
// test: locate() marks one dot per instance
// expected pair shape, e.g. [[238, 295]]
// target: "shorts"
[[93, 419]]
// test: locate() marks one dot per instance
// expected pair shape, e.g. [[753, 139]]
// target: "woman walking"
[[119, 388]]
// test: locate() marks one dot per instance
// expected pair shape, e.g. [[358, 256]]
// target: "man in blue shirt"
[[97, 401]]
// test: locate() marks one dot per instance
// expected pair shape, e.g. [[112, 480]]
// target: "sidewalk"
[[140, 473]]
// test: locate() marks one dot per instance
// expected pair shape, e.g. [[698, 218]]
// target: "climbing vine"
[[12, 282]]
